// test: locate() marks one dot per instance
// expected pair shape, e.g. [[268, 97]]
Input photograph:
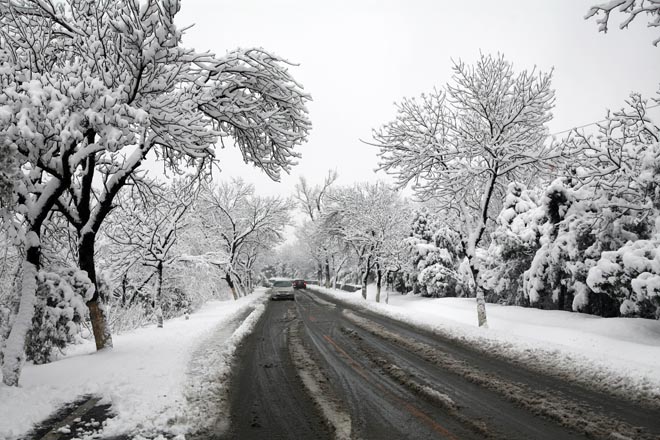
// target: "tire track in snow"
[[316, 384], [566, 412]]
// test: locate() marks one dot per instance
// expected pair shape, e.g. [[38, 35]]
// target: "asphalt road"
[[267, 399], [398, 382]]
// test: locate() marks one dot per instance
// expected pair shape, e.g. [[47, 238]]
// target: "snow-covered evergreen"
[[59, 311], [515, 240]]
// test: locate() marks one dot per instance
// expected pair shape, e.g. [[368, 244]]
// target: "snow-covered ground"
[[621, 355], [146, 376]]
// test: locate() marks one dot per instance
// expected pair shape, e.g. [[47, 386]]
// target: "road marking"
[[412, 409]]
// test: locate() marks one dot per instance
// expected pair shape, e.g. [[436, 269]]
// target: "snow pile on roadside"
[[207, 391], [620, 355], [143, 376]]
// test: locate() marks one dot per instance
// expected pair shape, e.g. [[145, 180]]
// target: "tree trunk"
[[231, 285], [97, 315], [379, 280], [560, 298], [250, 282], [14, 352], [124, 285], [240, 286], [389, 285], [390, 278], [327, 273], [365, 277], [479, 295], [159, 295]]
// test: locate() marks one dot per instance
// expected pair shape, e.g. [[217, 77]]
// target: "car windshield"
[[282, 284]]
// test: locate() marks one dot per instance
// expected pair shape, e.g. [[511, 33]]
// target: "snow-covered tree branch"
[[461, 145], [91, 88], [631, 9]]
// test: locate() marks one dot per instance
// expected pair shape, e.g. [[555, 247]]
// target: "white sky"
[[357, 58]]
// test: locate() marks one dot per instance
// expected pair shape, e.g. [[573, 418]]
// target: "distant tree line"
[[505, 212]]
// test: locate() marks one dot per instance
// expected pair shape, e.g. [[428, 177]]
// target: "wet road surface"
[[396, 381]]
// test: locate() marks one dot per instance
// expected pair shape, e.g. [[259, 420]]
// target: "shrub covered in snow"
[[579, 226], [631, 276], [608, 197], [515, 240], [438, 266], [59, 310], [423, 226], [549, 279]]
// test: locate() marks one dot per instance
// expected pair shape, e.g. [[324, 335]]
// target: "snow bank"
[[144, 376], [620, 355], [207, 391]]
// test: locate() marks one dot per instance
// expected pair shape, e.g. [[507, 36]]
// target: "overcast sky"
[[356, 58]]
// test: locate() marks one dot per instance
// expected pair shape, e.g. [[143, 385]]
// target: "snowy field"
[[146, 376], [621, 355]]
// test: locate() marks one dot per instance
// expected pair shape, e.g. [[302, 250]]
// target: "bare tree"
[[368, 217], [146, 229], [611, 161], [311, 199], [239, 224], [461, 145]]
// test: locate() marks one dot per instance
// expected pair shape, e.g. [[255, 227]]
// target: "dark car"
[[281, 289], [299, 284]]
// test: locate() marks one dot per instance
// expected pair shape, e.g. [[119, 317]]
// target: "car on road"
[[299, 284], [281, 289]]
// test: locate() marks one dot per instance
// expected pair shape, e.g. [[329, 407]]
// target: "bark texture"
[[479, 295], [100, 327]]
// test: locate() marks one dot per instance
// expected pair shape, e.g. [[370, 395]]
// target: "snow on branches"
[[461, 145], [372, 220], [631, 275], [60, 309], [440, 263], [515, 240], [251, 97], [631, 9], [91, 87], [238, 226], [606, 203]]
